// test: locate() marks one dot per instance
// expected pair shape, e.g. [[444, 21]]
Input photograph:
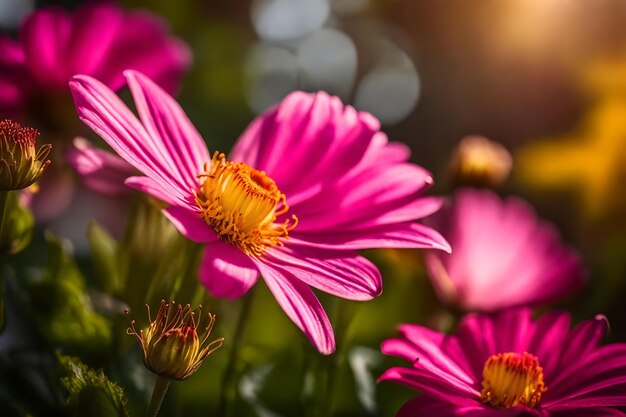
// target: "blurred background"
[[547, 79]]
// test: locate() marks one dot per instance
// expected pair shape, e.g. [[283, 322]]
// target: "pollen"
[[242, 204], [511, 379]]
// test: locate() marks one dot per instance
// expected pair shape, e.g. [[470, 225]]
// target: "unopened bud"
[[21, 163], [480, 162], [171, 345]]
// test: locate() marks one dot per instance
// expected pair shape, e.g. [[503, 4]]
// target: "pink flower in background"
[[308, 184], [53, 45], [99, 40], [503, 255], [100, 170], [511, 365]]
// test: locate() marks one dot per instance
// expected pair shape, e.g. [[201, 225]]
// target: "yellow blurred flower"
[[591, 160]]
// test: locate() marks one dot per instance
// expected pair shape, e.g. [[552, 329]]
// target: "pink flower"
[[308, 184], [511, 365], [101, 171], [99, 40], [503, 255]]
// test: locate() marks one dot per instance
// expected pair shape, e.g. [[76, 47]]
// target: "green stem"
[[4, 198], [229, 380], [328, 370], [160, 389]]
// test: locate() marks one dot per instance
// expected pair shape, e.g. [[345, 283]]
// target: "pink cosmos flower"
[[510, 365], [308, 184], [503, 255], [99, 40]]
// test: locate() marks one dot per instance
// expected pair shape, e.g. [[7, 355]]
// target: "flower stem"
[[4, 199], [327, 367], [158, 393], [229, 380]]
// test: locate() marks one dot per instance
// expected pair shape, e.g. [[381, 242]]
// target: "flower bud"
[[171, 345], [478, 161], [21, 164]]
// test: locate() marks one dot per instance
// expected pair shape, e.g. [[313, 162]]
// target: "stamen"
[[241, 205], [511, 379]]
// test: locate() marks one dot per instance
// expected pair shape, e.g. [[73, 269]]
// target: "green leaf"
[[104, 257], [62, 307], [91, 393]]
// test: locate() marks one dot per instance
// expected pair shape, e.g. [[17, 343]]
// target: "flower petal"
[[441, 388], [166, 121], [45, 36], [345, 275], [586, 412], [101, 171], [100, 109], [500, 248], [301, 305], [190, 225], [94, 29], [403, 235], [226, 272], [305, 136], [144, 44], [424, 405], [373, 196]]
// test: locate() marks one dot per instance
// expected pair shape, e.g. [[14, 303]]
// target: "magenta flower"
[[99, 40], [511, 365], [503, 255], [308, 184]]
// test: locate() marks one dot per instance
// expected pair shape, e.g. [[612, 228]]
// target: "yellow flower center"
[[511, 379], [241, 205]]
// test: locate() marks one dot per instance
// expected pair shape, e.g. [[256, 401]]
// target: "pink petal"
[[190, 225], [424, 405], [585, 412], [143, 44], [101, 171], [94, 29], [447, 390], [584, 338], [12, 54], [45, 36], [305, 136], [100, 109], [151, 187], [345, 275], [403, 235], [500, 248], [226, 272], [427, 406], [375, 196], [166, 121], [301, 306]]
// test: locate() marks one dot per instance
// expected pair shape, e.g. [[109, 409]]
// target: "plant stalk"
[[158, 394], [231, 375], [4, 199]]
